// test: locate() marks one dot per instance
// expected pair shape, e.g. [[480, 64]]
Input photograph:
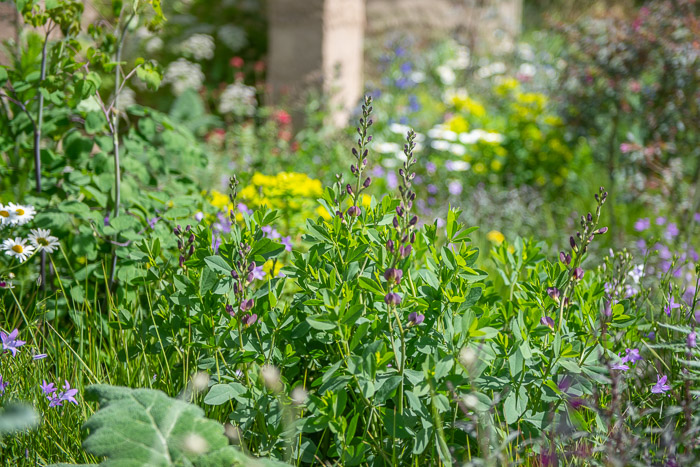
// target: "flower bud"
[[395, 222], [392, 299], [405, 250], [367, 182], [353, 169], [607, 310], [589, 217], [413, 221], [179, 244], [348, 188], [188, 228], [182, 261], [251, 266], [191, 251], [354, 211], [578, 273], [572, 242], [354, 152], [249, 320], [234, 274], [692, 340], [393, 275], [399, 211], [601, 231], [230, 310], [413, 237], [390, 246]]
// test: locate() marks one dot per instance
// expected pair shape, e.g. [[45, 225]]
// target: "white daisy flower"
[[7, 216], [42, 240], [22, 214], [18, 248]]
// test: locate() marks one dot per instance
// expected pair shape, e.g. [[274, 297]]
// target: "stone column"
[[316, 43]]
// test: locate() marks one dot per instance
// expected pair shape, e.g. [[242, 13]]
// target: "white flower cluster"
[[238, 99], [199, 46], [183, 74], [233, 37], [14, 215]]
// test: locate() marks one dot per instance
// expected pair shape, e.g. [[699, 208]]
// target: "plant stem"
[[37, 147]]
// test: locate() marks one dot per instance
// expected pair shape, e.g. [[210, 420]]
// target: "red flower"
[[236, 62]]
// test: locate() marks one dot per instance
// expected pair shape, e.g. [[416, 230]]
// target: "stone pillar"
[[317, 43]]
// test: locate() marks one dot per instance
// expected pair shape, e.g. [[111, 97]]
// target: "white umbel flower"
[[199, 46], [42, 240], [18, 248], [20, 214]]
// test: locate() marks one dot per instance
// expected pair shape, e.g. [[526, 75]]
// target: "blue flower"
[[10, 342]]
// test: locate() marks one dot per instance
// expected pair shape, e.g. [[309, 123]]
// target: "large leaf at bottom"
[[136, 427]]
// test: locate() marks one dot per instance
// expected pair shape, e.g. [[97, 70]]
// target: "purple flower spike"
[[414, 319], [660, 387], [10, 342]]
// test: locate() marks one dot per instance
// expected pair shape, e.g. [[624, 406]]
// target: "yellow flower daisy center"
[[5, 213], [20, 212], [18, 248]]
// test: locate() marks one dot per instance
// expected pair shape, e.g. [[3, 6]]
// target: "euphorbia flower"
[[660, 387], [10, 342]]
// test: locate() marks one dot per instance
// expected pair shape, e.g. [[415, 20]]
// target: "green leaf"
[[369, 284], [146, 427], [320, 325], [222, 393], [218, 264], [515, 405]]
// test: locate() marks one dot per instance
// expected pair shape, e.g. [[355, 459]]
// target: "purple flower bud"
[[578, 273], [251, 277], [251, 266], [191, 251], [601, 231], [191, 239], [565, 258], [554, 293], [399, 211], [367, 182], [348, 188], [413, 221], [405, 251], [182, 261], [392, 299], [234, 274], [354, 211], [354, 152], [369, 138], [179, 244], [414, 319], [353, 169], [393, 275], [236, 289], [404, 239], [572, 242], [247, 304], [547, 321], [390, 246], [413, 237], [230, 310], [589, 217], [395, 222]]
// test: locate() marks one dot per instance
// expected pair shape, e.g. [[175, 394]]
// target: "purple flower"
[[69, 394], [199, 216], [651, 336], [3, 385], [660, 387], [106, 220], [672, 305], [244, 209], [287, 242], [230, 310], [247, 304], [554, 293], [642, 224], [10, 342], [378, 171], [692, 340], [633, 355], [432, 189], [392, 299], [39, 356], [152, 222], [270, 232], [547, 321], [430, 167], [249, 320], [48, 388], [454, 187], [393, 275], [696, 217], [258, 273], [578, 273], [414, 319], [671, 231], [621, 365], [391, 180]]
